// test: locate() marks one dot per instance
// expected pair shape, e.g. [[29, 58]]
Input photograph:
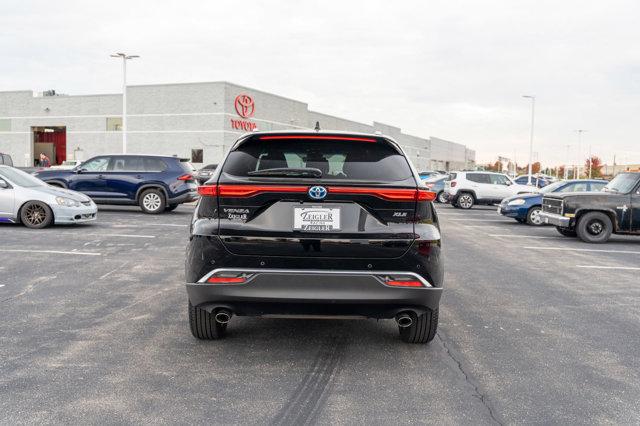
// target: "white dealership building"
[[193, 120]]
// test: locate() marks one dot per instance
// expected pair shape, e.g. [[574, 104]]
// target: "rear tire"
[[533, 216], [171, 207], [203, 324], [566, 232], [466, 200], [36, 215], [152, 201], [442, 197], [594, 227], [422, 330]]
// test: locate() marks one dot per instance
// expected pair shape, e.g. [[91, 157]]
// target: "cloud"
[[452, 69]]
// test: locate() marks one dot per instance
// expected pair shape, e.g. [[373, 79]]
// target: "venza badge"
[[317, 192]]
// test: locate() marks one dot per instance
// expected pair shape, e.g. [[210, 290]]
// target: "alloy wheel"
[[465, 201], [35, 214], [536, 219], [152, 202]]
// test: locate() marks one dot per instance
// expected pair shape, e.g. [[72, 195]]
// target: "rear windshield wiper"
[[288, 172]]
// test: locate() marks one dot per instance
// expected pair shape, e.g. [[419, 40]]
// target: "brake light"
[[186, 177], [423, 195], [323, 137], [453, 183], [227, 280], [386, 194], [208, 190]]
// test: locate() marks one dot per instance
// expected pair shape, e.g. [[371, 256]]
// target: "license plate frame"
[[317, 219]]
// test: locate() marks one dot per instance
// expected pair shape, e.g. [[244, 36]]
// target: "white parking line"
[[480, 220], [122, 235], [79, 253], [132, 225], [583, 250], [525, 236], [622, 268]]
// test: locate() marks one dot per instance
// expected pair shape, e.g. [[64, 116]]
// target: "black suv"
[[315, 224], [594, 216]]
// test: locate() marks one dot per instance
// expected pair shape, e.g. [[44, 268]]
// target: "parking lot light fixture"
[[124, 57], [533, 111]]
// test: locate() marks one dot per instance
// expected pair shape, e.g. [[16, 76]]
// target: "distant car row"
[[590, 209]]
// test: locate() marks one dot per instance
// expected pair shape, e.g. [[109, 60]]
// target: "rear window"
[[186, 165], [336, 159]]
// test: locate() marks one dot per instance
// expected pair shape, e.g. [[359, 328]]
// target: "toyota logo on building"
[[317, 192], [245, 106]]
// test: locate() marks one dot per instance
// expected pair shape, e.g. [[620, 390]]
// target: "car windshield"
[[553, 187], [622, 183], [20, 178]]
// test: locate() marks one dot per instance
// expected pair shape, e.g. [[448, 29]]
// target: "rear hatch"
[[314, 195]]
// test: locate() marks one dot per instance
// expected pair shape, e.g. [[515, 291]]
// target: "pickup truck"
[[594, 216]]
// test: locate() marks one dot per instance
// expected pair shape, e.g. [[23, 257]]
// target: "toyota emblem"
[[245, 106], [317, 192]]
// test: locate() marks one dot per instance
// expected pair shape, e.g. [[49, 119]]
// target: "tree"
[[535, 167], [596, 166]]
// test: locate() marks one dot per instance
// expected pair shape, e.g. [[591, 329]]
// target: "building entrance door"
[[51, 141]]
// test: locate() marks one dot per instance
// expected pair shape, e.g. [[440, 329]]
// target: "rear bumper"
[[313, 292], [555, 219]]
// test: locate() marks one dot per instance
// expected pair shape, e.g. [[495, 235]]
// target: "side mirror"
[[79, 171], [508, 183], [3, 184]]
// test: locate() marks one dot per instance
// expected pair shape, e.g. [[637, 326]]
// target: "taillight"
[[429, 185], [208, 190], [453, 183], [186, 177], [423, 195]]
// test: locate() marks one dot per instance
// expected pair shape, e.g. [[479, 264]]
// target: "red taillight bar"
[[386, 194], [186, 177], [323, 137], [241, 191]]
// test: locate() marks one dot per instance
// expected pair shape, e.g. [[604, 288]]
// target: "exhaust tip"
[[404, 320], [223, 316]]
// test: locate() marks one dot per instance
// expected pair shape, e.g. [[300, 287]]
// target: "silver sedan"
[[28, 200]]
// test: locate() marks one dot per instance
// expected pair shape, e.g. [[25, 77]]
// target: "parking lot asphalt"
[[535, 328]]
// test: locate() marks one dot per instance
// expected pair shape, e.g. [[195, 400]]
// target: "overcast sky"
[[451, 69]]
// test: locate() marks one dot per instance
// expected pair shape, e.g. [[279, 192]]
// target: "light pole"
[[533, 112], [579, 131], [124, 57]]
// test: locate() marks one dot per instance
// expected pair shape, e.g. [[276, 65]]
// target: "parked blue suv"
[[526, 208], [155, 183]]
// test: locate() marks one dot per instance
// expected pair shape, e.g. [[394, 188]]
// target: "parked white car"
[[28, 200], [465, 189], [66, 165]]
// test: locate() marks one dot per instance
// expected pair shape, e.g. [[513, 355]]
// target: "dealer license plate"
[[316, 219]]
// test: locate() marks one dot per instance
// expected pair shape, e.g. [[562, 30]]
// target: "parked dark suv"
[[155, 183], [315, 224]]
